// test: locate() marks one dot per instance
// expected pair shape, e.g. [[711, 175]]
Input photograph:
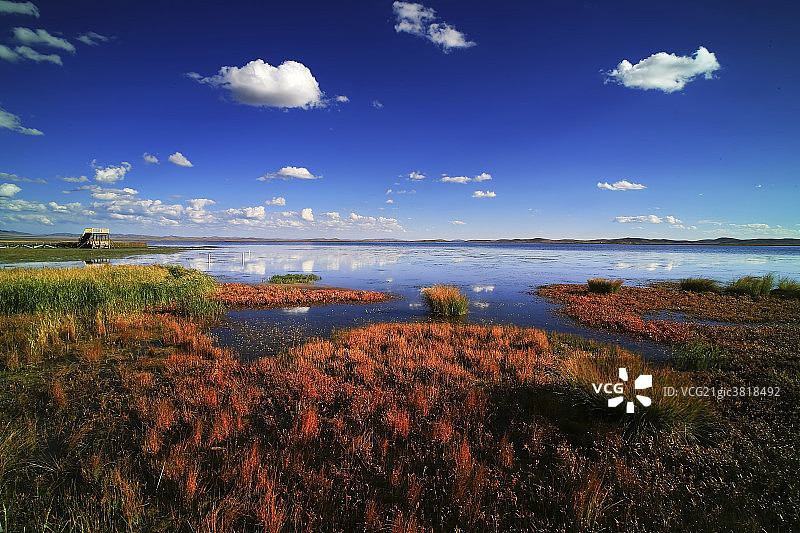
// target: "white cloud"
[[92, 39], [180, 160], [306, 214], [483, 194], [8, 54], [622, 185], [260, 84], [26, 52], [456, 179], [377, 105], [12, 122], [26, 36], [149, 158], [14, 177], [7, 190], [200, 203], [665, 72], [419, 20], [649, 219], [416, 176], [276, 200], [111, 173], [389, 201], [75, 179], [287, 173], [18, 8], [458, 222], [342, 98], [464, 179]]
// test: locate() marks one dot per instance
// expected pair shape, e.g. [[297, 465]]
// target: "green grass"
[[700, 285], [751, 285], [684, 419], [294, 278], [445, 300], [121, 288], [787, 288], [604, 286], [48, 255], [698, 356]]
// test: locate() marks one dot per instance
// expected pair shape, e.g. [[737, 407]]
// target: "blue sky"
[[311, 119]]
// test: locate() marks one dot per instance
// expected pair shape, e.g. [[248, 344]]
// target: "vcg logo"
[[644, 381]]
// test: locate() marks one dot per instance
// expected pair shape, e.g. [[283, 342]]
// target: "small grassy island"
[[121, 414]]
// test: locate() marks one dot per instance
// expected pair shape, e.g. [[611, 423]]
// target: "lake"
[[496, 277]]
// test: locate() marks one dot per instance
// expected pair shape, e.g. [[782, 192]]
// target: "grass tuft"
[[751, 285], [683, 418], [294, 278], [698, 356], [445, 300], [604, 286], [700, 285], [787, 288]]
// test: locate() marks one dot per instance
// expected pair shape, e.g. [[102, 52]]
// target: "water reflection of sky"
[[495, 277]]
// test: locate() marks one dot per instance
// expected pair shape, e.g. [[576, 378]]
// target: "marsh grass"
[[751, 285], [787, 288], [700, 285], [698, 356], [445, 300], [121, 288], [687, 419], [604, 286], [294, 278]]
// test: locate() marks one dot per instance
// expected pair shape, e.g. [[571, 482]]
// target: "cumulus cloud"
[[665, 72], [149, 158], [389, 201], [306, 214], [260, 84], [13, 123], [287, 173], [377, 105], [416, 176], [464, 179], [180, 160], [342, 98], [13, 177], [111, 173], [7, 190], [75, 179], [421, 21], [483, 194], [200, 203], [648, 219], [27, 36], [276, 200], [92, 39], [18, 8], [458, 222], [623, 185]]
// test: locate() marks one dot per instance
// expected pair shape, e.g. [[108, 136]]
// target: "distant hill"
[[720, 241]]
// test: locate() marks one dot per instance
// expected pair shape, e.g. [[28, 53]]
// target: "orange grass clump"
[[241, 295]]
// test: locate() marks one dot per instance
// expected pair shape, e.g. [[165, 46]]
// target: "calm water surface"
[[496, 278]]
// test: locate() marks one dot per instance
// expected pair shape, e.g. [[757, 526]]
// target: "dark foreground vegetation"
[[135, 421]]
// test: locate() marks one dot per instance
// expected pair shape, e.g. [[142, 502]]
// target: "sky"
[[400, 120]]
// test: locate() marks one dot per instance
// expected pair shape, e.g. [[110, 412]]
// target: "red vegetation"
[[241, 295]]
